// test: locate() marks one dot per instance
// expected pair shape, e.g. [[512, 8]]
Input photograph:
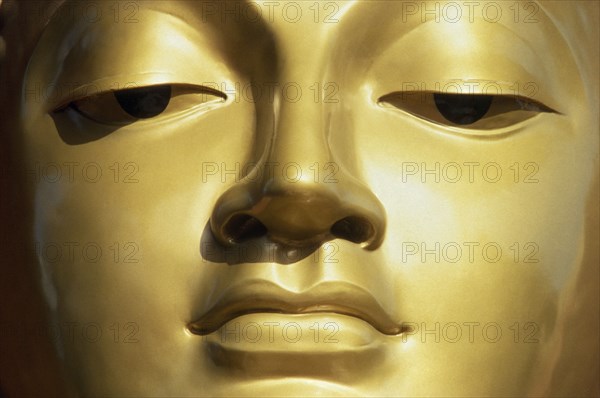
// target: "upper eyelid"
[[111, 84], [468, 130], [529, 100], [530, 88], [164, 114], [55, 65], [63, 93], [191, 87], [514, 57]]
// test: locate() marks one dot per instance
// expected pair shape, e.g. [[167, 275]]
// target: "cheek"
[[452, 200], [118, 221], [479, 231]]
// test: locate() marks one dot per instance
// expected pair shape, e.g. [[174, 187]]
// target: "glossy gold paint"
[[288, 227]]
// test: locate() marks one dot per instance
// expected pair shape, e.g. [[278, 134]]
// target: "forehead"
[[287, 18], [421, 39], [374, 21], [362, 28], [294, 24], [429, 39]]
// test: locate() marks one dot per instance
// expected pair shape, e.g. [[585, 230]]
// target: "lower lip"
[[306, 345]]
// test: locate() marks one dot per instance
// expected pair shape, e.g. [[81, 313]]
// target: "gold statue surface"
[[310, 198]]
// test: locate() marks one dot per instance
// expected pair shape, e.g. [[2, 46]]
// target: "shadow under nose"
[[253, 249]]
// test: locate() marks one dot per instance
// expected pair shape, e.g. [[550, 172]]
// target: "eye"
[[144, 102], [129, 105], [462, 109], [467, 111]]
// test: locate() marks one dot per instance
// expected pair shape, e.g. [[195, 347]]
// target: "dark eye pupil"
[[461, 108], [144, 102]]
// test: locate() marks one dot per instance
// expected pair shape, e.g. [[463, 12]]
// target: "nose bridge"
[[300, 133], [295, 201], [299, 159], [299, 194]]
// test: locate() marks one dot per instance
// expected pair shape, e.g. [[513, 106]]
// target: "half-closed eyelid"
[[178, 89], [128, 105], [467, 111], [427, 97]]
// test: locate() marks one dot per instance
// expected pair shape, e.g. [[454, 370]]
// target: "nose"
[[299, 194]]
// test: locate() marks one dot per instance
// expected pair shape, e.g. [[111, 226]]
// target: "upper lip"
[[262, 296]]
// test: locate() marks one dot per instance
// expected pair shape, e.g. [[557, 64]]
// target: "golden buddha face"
[[306, 198]]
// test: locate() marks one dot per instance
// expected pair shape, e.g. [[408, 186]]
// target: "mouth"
[[261, 296]]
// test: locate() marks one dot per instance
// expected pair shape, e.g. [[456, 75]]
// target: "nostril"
[[242, 227], [352, 228]]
